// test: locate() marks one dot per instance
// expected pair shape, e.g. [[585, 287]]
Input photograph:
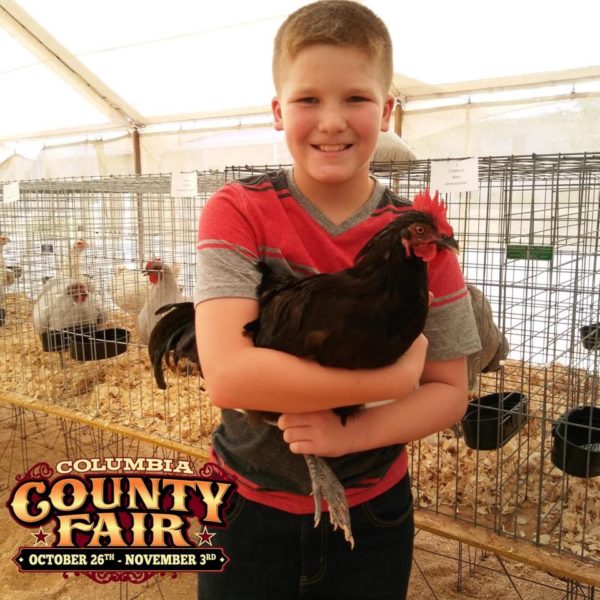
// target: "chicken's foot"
[[325, 485]]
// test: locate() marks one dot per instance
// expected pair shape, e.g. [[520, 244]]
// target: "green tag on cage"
[[529, 252]]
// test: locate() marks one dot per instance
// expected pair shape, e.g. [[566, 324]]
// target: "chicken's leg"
[[325, 485]]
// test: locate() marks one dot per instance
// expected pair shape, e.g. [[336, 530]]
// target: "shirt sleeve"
[[450, 328], [226, 252]]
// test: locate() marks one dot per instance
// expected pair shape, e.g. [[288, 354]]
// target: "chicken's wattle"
[[426, 252]]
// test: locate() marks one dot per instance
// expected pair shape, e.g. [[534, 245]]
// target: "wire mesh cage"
[[524, 466], [527, 466], [78, 252]]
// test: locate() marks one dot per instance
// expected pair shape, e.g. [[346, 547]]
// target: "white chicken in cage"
[[163, 289], [8, 275], [129, 288], [69, 300], [65, 304], [75, 268]]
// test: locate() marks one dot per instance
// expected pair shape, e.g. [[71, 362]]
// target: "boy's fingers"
[[300, 448], [288, 420]]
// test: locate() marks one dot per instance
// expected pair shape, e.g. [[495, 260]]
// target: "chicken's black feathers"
[[363, 317], [172, 338]]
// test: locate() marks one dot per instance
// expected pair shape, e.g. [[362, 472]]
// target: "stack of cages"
[[525, 460], [76, 253], [524, 465]]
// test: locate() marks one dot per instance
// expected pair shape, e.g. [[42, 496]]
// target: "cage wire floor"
[[442, 569]]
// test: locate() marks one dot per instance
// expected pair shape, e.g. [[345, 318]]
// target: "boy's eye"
[[308, 100], [357, 99]]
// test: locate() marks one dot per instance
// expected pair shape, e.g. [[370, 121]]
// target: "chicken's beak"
[[449, 243]]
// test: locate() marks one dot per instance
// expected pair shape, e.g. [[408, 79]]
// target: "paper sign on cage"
[[184, 185], [10, 192], [455, 175]]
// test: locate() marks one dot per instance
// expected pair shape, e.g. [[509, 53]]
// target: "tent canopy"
[[68, 66]]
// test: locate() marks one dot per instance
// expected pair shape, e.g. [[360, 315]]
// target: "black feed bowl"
[[103, 343], [590, 336], [576, 442], [490, 421], [55, 340]]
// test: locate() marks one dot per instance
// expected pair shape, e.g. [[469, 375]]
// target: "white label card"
[[455, 175], [184, 185], [10, 192]]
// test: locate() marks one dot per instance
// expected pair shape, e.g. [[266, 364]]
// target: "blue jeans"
[[279, 556]]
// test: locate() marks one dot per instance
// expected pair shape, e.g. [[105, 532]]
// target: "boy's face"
[[332, 106]]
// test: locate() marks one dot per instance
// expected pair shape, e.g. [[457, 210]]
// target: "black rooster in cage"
[[365, 316]]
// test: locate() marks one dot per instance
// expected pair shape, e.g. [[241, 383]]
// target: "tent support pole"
[[399, 113], [137, 154]]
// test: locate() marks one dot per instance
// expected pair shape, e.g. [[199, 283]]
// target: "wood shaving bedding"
[[514, 490], [119, 389]]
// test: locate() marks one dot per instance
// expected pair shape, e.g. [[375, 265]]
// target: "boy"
[[332, 69]]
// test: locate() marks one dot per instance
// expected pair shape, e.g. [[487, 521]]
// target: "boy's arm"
[[239, 375], [440, 401]]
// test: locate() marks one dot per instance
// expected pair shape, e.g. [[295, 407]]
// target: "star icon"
[[40, 536], [205, 537]]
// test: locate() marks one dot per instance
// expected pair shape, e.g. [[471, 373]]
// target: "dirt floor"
[[441, 567]]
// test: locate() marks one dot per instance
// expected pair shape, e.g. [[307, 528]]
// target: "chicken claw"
[[326, 485]]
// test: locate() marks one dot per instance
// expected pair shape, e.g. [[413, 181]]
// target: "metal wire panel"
[[124, 221], [529, 241]]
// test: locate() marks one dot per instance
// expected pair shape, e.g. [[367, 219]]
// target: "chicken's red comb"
[[150, 263], [436, 208]]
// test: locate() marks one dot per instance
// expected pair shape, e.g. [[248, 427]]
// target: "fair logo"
[[121, 519]]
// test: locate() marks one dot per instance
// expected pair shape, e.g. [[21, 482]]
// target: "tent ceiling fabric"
[[106, 64]]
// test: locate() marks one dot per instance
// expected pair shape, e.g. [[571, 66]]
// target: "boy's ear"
[[388, 108], [277, 116]]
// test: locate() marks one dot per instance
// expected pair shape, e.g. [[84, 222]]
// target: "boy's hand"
[[320, 433]]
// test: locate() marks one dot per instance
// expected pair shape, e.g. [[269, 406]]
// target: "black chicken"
[[363, 317]]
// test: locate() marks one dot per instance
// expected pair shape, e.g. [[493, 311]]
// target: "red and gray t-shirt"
[[265, 217]]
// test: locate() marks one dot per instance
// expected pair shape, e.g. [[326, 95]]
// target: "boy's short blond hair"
[[339, 23]]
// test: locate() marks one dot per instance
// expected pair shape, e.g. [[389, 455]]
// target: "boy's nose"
[[331, 120]]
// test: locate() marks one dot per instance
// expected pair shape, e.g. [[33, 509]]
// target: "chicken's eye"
[[420, 229]]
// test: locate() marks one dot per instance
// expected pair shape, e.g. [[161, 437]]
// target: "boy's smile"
[[332, 106]]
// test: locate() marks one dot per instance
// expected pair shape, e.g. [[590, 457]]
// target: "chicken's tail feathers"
[[172, 338], [175, 306]]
